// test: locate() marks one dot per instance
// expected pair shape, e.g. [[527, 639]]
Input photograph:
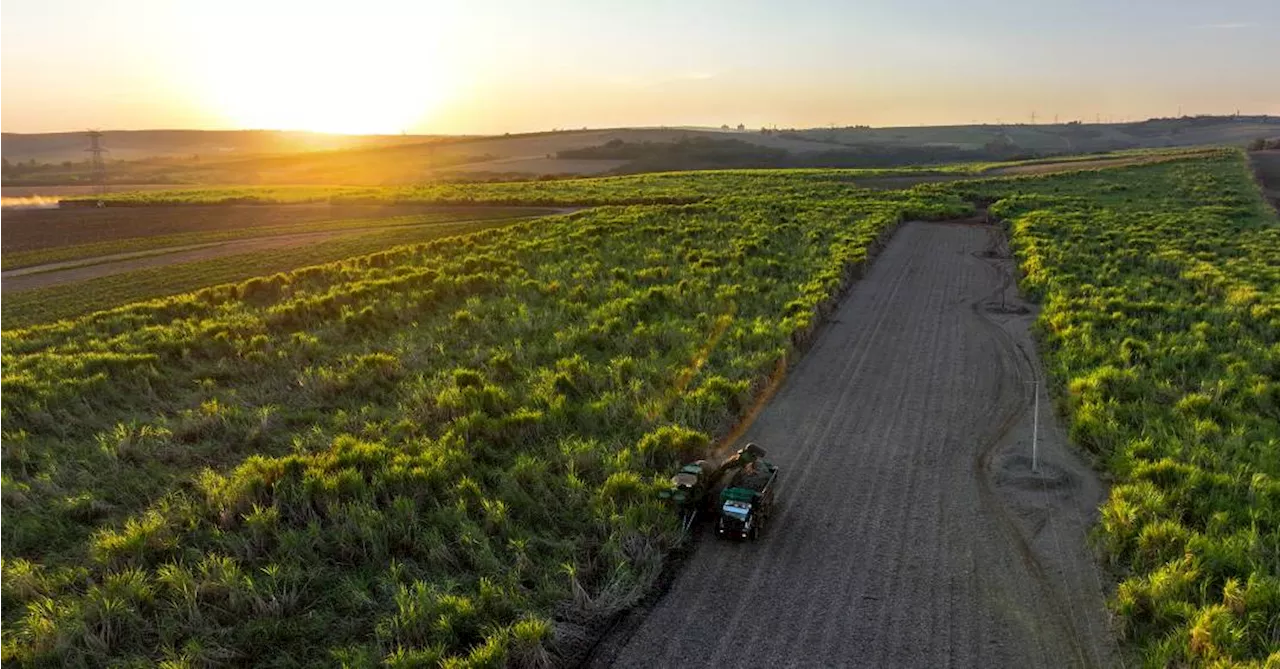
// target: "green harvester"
[[738, 491]]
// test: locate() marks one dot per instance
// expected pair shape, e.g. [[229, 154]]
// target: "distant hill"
[[1069, 137], [134, 144], [194, 157], [277, 157]]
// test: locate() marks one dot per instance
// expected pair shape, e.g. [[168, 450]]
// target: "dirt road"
[[1266, 167], [37, 229], [83, 269], [910, 531], [908, 180]]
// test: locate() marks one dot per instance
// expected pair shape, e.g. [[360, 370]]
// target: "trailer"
[[746, 502]]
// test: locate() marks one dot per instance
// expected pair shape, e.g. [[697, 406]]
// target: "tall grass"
[[1161, 327], [443, 453]]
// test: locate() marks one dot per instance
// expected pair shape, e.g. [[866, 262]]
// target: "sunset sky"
[[489, 66]]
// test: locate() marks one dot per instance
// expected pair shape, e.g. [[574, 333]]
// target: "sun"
[[297, 71]]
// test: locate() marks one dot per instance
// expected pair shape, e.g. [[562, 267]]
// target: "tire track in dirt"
[[1021, 533], [925, 478], [910, 402], [884, 549]]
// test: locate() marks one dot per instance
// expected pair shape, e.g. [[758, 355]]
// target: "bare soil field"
[[1065, 166], [56, 274], [82, 269], [907, 181], [909, 530], [34, 229]]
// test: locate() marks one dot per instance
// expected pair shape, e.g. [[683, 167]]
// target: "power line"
[[97, 166]]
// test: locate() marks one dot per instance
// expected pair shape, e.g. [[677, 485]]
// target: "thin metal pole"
[[1035, 431]]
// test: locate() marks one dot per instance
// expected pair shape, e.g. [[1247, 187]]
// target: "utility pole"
[[1035, 429], [97, 166], [1033, 117]]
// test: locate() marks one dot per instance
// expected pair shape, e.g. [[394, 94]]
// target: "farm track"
[[28, 230], [910, 530], [1064, 166], [907, 181], [56, 274], [1266, 168], [84, 269], [98, 260]]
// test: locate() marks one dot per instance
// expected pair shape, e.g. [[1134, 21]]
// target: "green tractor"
[[739, 491], [688, 491]]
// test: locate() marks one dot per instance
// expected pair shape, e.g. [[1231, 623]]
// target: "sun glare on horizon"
[[323, 73]]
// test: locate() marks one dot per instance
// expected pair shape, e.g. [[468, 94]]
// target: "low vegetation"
[[440, 453], [447, 453]]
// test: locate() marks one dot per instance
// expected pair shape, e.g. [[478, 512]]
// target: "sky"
[[493, 66]]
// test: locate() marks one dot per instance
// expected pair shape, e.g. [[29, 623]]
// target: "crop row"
[[448, 452], [439, 453]]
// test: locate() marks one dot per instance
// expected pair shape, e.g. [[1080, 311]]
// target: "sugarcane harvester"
[[738, 491]]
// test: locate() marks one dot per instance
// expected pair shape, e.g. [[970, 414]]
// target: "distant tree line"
[[22, 168], [711, 153]]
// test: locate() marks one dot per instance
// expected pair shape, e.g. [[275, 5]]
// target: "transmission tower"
[[97, 166]]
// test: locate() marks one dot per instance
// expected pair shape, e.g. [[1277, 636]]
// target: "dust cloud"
[[31, 202]]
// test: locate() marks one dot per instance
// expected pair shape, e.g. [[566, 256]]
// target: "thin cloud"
[[1227, 26], [658, 82]]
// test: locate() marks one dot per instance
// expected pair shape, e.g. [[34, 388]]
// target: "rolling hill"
[[278, 157]]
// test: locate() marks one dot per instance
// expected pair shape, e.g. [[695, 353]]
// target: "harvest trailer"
[[744, 507], [738, 492]]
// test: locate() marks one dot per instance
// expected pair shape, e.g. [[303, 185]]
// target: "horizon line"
[[1109, 120]]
